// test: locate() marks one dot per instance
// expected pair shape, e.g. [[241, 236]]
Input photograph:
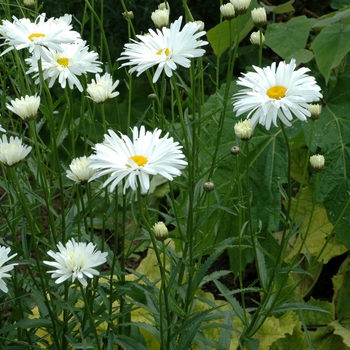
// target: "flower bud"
[[128, 14], [235, 150], [259, 16], [255, 38], [315, 111], [208, 186], [241, 6], [160, 231], [29, 3], [227, 11], [201, 26], [164, 6], [244, 130], [160, 18], [152, 96], [317, 162]]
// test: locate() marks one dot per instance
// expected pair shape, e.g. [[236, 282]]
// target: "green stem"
[[88, 309]]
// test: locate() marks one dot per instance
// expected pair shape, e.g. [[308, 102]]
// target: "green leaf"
[[297, 306], [341, 286], [338, 4], [332, 17], [283, 8], [219, 36], [331, 138], [330, 47], [325, 339], [287, 38], [301, 56]]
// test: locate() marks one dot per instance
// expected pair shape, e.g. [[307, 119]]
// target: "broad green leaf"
[[301, 56], [224, 34], [341, 284], [219, 36], [332, 17], [338, 4], [288, 38], [330, 47], [331, 138], [283, 8]]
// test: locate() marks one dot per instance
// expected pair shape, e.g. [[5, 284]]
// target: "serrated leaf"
[[330, 47], [287, 38], [275, 328], [316, 318]]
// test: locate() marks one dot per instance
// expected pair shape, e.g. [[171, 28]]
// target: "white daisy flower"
[[2, 129], [276, 92], [12, 152], [165, 49], [4, 257], [25, 107], [65, 65], [147, 154], [76, 260], [80, 170], [34, 36], [102, 89]]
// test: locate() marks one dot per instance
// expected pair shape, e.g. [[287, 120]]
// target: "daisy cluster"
[[56, 49]]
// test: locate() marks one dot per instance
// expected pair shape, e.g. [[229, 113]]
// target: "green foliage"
[[267, 208]]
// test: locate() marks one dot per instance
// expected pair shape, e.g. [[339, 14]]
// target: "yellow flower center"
[[139, 160], [63, 61], [276, 92], [166, 51], [35, 35]]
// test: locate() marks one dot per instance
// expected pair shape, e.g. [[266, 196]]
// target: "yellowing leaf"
[[342, 331], [318, 231]]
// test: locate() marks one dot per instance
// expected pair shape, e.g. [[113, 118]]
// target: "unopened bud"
[[227, 11], [29, 3], [241, 6], [128, 14], [259, 16], [255, 39], [160, 231], [315, 111], [235, 150], [152, 96], [244, 130], [201, 26], [208, 186], [317, 162]]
